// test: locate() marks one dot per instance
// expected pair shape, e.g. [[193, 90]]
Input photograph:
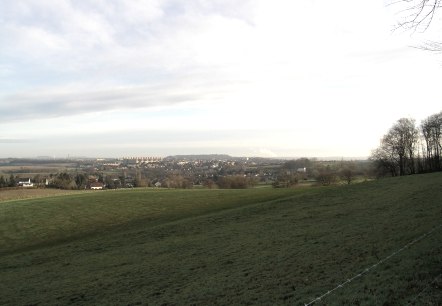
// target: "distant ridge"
[[192, 157], [200, 157]]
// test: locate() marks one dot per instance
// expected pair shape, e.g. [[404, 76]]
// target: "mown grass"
[[27, 223], [270, 251]]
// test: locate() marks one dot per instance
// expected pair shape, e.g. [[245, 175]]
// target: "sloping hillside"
[[26, 224], [276, 251]]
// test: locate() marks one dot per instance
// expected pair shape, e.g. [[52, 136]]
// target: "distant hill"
[[200, 157]]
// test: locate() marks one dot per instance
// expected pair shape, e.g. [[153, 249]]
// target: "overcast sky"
[[248, 78]]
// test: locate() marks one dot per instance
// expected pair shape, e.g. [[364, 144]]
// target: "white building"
[[25, 183]]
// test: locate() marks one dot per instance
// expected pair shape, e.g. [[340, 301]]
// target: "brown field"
[[31, 170], [23, 193]]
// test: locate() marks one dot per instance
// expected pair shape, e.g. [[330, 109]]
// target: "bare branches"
[[419, 14], [397, 150], [430, 45]]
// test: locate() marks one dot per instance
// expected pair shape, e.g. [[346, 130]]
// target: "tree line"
[[11, 182], [408, 149]]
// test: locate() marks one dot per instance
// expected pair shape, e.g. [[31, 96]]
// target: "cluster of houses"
[[140, 160], [128, 172], [27, 183]]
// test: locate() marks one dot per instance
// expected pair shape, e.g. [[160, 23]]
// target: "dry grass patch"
[[23, 193]]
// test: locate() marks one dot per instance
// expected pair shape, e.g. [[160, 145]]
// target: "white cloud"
[[298, 76]]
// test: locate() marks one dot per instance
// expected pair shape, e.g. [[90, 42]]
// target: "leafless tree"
[[397, 151], [431, 129], [347, 174], [385, 161], [417, 16]]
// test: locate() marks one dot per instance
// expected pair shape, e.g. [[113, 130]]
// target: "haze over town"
[[249, 78]]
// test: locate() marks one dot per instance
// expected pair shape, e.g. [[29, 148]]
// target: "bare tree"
[[417, 16], [431, 129], [384, 159], [347, 174], [398, 148], [411, 137]]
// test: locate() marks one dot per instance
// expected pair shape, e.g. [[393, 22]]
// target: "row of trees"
[[408, 149], [61, 180], [11, 182], [320, 172]]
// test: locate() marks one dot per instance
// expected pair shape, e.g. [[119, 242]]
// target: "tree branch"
[[433, 46], [421, 14]]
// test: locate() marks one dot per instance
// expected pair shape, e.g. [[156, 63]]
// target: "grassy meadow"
[[49, 220], [204, 247]]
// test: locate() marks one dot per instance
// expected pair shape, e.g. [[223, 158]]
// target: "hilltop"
[[226, 247]]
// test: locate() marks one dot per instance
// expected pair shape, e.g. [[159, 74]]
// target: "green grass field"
[[205, 247]]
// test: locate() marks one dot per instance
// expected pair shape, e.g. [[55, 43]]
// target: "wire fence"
[[374, 266], [425, 289]]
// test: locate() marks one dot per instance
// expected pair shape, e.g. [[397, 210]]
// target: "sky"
[[270, 78]]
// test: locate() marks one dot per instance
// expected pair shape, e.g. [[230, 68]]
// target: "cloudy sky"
[[247, 78]]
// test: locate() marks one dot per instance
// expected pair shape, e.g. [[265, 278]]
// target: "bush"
[[286, 181], [326, 177], [235, 182], [178, 181]]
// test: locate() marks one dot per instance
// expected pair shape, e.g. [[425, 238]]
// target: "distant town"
[[181, 171]]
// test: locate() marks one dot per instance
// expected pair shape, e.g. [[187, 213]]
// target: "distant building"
[[301, 170], [25, 182], [138, 160], [97, 186]]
